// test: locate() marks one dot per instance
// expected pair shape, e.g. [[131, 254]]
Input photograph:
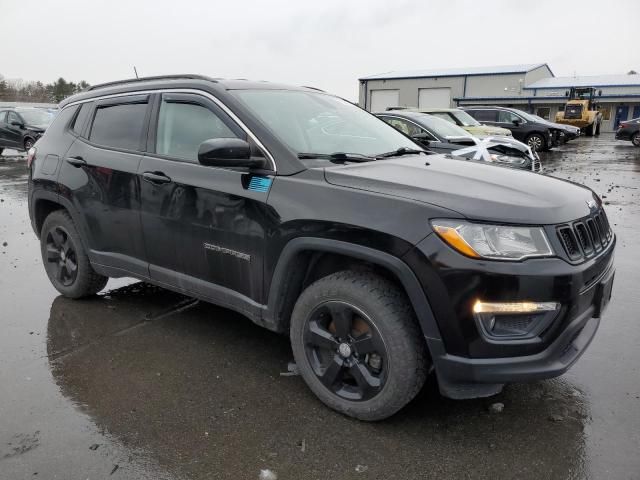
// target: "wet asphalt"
[[141, 383]]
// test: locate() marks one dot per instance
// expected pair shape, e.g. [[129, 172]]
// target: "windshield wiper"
[[336, 156], [401, 151]]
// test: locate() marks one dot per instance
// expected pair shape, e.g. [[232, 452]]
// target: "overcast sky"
[[328, 44]]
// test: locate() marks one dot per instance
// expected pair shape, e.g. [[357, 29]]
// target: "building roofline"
[[461, 74]]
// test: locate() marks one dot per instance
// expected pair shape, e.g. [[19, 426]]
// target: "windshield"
[[39, 118], [309, 122], [465, 119], [442, 128]]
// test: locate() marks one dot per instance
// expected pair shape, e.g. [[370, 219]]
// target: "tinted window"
[[13, 117], [183, 126], [405, 127], [483, 115], [119, 126], [507, 117], [81, 118]]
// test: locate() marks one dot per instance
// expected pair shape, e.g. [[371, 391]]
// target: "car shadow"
[[207, 392]]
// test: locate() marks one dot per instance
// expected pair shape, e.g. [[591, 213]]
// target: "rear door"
[[204, 227], [99, 177], [4, 141]]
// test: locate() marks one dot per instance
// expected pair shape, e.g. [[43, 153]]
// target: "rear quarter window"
[[483, 115], [119, 126]]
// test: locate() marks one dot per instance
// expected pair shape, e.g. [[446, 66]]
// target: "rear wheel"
[[598, 128], [357, 344], [591, 129], [536, 142], [65, 260], [635, 139]]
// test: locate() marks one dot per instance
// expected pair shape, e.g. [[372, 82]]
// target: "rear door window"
[[504, 116], [81, 118], [119, 126], [483, 115], [185, 121]]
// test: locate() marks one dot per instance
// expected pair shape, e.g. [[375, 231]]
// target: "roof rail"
[[147, 79]]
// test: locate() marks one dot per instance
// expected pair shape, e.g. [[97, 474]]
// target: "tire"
[[65, 260], [1, 150], [28, 143], [384, 364], [635, 139], [591, 129], [536, 142], [598, 129]]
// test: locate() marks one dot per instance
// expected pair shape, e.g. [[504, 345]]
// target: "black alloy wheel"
[[61, 258], [635, 139], [28, 143], [346, 351]]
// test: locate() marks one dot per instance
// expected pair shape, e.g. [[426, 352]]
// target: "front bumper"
[[468, 363]]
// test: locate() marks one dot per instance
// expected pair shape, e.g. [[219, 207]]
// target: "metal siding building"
[[531, 87]]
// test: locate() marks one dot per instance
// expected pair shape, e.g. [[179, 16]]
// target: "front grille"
[[586, 237], [573, 111]]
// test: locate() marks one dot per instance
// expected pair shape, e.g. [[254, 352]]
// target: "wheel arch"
[[44, 203], [300, 264]]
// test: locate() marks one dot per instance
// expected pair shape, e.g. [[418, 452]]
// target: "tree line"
[[18, 90]]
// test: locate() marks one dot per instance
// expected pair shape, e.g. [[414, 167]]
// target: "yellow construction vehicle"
[[581, 110]]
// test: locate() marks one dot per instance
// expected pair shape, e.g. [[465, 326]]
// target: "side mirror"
[[515, 121], [421, 137], [228, 152], [15, 123]]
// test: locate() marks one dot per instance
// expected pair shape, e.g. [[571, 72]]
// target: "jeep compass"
[[313, 218]]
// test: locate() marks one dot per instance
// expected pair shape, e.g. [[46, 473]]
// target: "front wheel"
[[65, 260], [536, 142], [635, 139], [28, 143], [357, 344]]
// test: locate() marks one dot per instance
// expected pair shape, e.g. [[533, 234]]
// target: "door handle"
[[77, 162], [156, 177]]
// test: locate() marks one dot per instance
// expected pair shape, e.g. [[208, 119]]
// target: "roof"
[[587, 81], [458, 72]]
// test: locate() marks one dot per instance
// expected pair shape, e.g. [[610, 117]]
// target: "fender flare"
[[67, 205], [394, 264]]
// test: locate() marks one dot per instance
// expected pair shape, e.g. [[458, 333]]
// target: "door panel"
[[381, 99], [205, 224], [622, 114], [434, 97], [13, 133], [106, 193]]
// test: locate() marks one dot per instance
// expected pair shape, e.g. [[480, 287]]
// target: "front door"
[[204, 227], [622, 113], [14, 129], [100, 175]]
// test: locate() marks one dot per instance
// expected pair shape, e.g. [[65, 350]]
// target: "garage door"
[[381, 99], [434, 98]]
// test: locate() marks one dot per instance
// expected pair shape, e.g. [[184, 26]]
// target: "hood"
[[486, 130], [36, 128], [478, 191]]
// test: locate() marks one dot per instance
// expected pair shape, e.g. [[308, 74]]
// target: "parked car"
[[442, 136], [317, 220], [566, 132], [20, 128], [629, 130], [466, 122], [538, 135]]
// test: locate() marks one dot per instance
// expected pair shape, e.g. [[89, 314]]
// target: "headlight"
[[507, 159], [495, 242]]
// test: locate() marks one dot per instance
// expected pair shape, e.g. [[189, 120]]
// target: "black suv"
[[538, 135], [20, 128], [318, 220]]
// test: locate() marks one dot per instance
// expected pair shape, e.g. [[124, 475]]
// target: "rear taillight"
[[31, 156]]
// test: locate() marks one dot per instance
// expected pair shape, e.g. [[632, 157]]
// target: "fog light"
[[514, 307], [514, 320]]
